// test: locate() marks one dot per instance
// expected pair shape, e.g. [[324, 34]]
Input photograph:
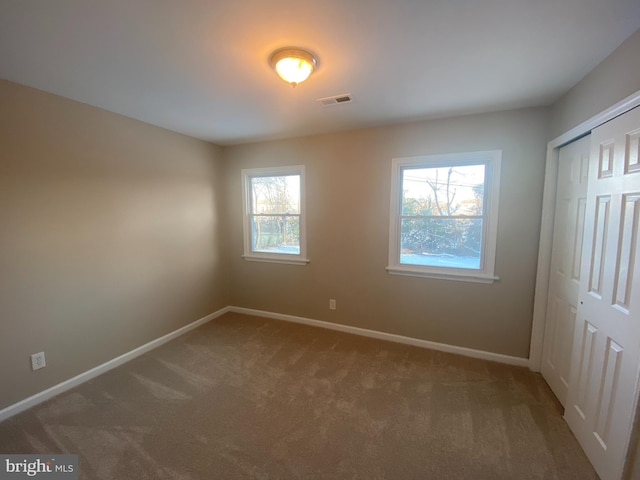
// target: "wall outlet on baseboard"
[[332, 304], [37, 361]]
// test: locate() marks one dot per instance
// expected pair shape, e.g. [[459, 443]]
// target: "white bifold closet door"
[[565, 272], [605, 362]]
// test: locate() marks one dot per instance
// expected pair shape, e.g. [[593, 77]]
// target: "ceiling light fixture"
[[294, 65]]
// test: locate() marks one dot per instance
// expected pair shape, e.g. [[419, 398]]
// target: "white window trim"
[[288, 258], [486, 273]]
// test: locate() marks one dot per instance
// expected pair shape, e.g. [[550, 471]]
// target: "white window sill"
[[291, 260], [459, 277]]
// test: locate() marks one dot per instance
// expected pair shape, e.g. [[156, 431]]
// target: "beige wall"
[[348, 184], [110, 236], [617, 77]]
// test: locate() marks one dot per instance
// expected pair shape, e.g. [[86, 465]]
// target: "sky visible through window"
[[276, 194], [417, 184]]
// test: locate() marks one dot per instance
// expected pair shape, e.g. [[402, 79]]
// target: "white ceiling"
[[200, 67]]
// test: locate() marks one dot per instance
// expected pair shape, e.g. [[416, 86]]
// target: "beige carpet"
[[245, 397]]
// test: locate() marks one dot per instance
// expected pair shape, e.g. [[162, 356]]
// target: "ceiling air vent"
[[335, 100]]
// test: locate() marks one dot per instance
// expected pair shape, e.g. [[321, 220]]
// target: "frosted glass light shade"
[[293, 65]]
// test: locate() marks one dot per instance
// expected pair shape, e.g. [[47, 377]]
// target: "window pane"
[[278, 194], [441, 242], [443, 191], [276, 234]]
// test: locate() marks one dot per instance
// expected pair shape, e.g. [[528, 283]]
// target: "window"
[[274, 215], [444, 212]]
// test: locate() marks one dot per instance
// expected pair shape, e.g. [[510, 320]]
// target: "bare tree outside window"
[[275, 214], [442, 216]]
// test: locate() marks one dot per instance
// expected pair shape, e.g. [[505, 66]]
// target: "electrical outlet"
[[37, 361], [332, 304]]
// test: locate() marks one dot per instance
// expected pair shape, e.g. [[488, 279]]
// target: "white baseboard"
[[442, 347], [105, 367]]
